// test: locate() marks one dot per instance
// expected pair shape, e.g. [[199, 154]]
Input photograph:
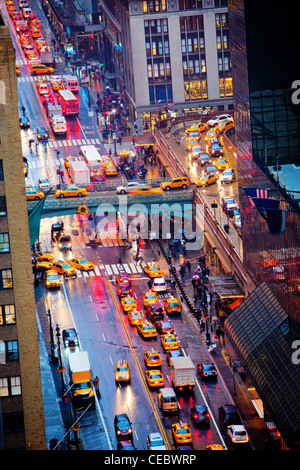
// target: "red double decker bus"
[[69, 102]]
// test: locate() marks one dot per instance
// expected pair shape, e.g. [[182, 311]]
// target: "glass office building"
[[262, 329]]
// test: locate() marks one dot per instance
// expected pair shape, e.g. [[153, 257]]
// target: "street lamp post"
[[60, 367], [51, 334], [115, 143]]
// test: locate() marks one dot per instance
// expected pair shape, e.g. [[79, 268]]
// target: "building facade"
[[21, 402], [266, 121], [170, 56]]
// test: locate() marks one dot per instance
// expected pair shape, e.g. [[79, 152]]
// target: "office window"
[[15, 385], [160, 48], [183, 45], [154, 50], [167, 50], [150, 71], [1, 171], [162, 69], [12, 350], [4, 387], [6, 279], [3, 212], [168, 69], [4, 243], [10, 386], [7, 314], [155, 70]]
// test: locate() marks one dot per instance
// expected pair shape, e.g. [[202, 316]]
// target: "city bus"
[[69, 102], [92, 157]]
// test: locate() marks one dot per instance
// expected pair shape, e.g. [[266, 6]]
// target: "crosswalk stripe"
[[97, 271], [133, 267], [108, 270], [126, 267], [115, 269]]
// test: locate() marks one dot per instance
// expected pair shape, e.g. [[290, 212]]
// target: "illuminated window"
[[149, 70], [4, 387], [15, 385], [154, 48], [145, 6], [7, 314], [183, 46], [6, 279], [167, 50]]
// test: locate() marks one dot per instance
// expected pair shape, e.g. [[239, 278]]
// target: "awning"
[[236, 303], [227, 287]]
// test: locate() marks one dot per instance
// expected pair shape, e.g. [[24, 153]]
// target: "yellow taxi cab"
[[205, 180], [65, 268], [221, 164], [40, 81], [146, 329], [169, 341], [40, 42], [35, 33], [43, 256], [128, 303], [42, 264], [25, 40], [152, 358], [32, 56], [211, 134], [57, 84], [182, 433], [177, 182], [224, 126], [40, 69], [134, 317], [193, 135], [107, 160], [215, 447], [150, 298], [110, 170], [71, 191], [122, 371], [34, 23], [33, 195], [153, 270], [154, 378], [67, 161], [52, 279], [172, 305], [197, 126], [81, 263], [191, 143]]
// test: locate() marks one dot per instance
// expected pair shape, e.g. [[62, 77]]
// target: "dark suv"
[[123, 427], [228, 414], [154, 312]]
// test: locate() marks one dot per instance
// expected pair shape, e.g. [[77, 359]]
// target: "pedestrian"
[[23, 110], [96, 385], [188, 265]]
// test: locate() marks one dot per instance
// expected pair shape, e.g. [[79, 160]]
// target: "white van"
[[71, 83], [59, 124], [167, 400]]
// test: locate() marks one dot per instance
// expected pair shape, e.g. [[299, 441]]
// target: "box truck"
[[79, 172], [81, 378], [183, 375], [47, 56]]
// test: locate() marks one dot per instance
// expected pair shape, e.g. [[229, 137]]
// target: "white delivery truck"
[[71, 83], [92, 157], [81, 379], [79, 172], [47, 56], [183, 375]]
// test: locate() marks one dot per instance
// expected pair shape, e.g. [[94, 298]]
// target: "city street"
[[90, 304]]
